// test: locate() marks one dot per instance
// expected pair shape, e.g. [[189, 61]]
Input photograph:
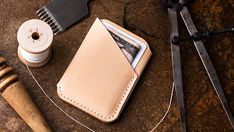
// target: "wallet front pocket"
[[100, 78]]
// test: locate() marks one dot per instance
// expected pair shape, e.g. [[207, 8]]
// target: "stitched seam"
[[94, 112]]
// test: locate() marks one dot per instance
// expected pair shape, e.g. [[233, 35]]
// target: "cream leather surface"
[[99, 79], [147, 54]]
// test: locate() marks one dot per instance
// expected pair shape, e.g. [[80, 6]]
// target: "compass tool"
[[176, 8]]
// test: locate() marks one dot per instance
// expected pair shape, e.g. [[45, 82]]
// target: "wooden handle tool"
[[14, 92]]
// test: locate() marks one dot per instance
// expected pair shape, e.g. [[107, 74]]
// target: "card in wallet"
[[100, 79]]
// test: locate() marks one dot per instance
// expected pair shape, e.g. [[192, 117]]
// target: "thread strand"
[[83, 125], [169, 106], [34, 78]]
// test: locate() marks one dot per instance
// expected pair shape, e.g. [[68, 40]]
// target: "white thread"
[[34, 58], [165, 115], [34, 78], [169, 106]]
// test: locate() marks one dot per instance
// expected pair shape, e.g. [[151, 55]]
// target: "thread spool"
[[14, 92], [35, 38]]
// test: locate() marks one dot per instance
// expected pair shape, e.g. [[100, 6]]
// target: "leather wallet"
[[100, 79]]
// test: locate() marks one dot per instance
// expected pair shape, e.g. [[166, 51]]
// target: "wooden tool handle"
[[14, 92]]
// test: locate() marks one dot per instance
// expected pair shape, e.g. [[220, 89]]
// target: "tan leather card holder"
[[100, 79]]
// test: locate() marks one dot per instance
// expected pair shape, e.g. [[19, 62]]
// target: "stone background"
[[150, 98]]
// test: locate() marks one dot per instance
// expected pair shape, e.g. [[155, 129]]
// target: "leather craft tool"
[[35, 38], [61, 14], [14, 92], [178, 7]]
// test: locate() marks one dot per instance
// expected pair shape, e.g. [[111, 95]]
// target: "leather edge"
[[99, 116]]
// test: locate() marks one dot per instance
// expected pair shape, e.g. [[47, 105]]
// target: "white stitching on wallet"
[[94, 112]]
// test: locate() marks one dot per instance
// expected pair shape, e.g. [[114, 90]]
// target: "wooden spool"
[[14, 92], [35, 39]]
